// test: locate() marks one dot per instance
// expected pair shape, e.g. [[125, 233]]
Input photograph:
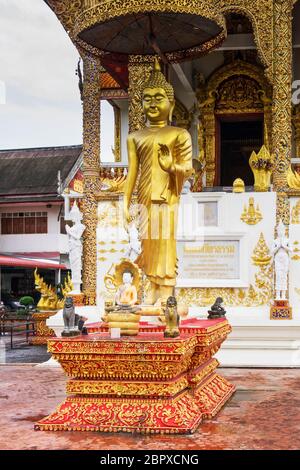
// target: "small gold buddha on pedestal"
[[126, 296], [124, 313], [162, 154]]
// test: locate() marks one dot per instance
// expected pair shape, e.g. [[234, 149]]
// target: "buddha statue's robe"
[[158, 197], [126, 295]]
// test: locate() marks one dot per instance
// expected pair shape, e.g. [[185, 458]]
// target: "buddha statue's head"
[[158, 97], [127, 277]]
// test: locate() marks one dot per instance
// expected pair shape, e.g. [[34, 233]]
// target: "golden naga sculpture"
[[162, 154], [262, 164], [250, 215], [114, 277], [293, 179], [49, 299], [113, 185], [67, 286]]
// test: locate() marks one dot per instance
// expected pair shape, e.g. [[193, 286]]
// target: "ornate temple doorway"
[[235, 105], [237, 137]]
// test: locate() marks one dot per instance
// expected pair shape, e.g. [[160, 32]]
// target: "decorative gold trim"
[[261, 254], [296, 250], [181, 115], [296, 125], [295, 214], [126, 388], [250, 215]]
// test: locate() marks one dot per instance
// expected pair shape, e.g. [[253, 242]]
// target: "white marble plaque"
[[217, 260]]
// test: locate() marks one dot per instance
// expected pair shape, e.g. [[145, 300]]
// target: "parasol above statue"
[[173, 30]]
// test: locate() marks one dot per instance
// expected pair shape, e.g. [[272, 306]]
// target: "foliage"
[[26, 301]]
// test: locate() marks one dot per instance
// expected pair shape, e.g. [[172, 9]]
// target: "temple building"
[[32, 226], [167, 245], [235, 70]]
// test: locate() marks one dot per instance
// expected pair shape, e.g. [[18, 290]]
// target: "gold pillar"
[[138, 68], [210, 144], [117, 139], [268, 125], [282, 118], [91, 169]]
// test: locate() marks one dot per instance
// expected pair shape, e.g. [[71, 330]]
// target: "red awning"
[[30, 263]]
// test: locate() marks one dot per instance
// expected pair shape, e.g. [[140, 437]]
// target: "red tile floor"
[[264, 413]]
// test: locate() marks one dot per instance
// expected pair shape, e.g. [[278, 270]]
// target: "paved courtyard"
[[264, 413]]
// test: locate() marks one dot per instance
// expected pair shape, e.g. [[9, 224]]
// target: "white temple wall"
[[123, 105], [294, 276], [256, 340]]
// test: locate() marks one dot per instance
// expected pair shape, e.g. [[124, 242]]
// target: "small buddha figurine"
[[162, 155], [126, 295]]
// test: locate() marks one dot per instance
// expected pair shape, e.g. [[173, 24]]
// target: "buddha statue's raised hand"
[[165, 158]]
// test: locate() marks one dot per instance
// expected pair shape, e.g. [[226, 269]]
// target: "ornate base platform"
[[146, 384], [281, 310], [43, 332]]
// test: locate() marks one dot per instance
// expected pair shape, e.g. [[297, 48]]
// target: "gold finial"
[[158, 80], [250, 215], [156, 65], [238, 186]]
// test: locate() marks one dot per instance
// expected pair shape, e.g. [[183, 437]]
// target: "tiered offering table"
[[146, 383]]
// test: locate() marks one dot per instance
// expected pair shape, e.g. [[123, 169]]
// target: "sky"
[[39, 98]]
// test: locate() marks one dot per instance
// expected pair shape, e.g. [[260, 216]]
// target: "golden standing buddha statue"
[[162, 154]]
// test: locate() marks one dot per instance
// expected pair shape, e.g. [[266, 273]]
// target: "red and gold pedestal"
[[145, 384], [43, 332], [281, 310]]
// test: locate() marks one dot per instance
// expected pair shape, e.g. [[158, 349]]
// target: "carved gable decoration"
[[181, 117], [239, 93]]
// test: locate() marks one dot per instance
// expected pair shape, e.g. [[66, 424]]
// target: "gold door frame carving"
[[117, 133], [215, 100], [181, 115], [296, 126]]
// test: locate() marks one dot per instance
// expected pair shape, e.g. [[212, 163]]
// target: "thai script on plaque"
[[213, 259]]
